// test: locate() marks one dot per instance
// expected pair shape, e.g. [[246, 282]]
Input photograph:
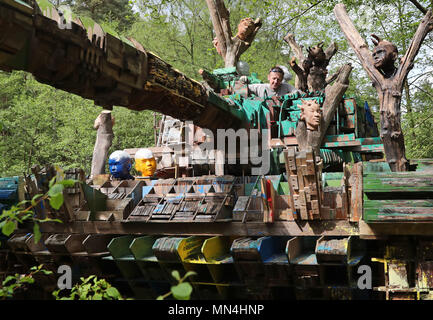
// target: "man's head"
[[311, 114], [275, 77], [119, 164], [384, 53]]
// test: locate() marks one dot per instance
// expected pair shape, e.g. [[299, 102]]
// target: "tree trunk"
[[390, 129], [230, 48], [104, 139]]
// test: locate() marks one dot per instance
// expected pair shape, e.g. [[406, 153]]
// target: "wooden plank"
[[339, 138], [398, 213], [290, 164], [341, 144], [356, 184], [278, 228], [368, 148]]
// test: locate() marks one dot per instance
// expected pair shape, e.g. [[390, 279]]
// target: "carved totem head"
[[316, 54], [384, 54], [311, 114], [245, 28]]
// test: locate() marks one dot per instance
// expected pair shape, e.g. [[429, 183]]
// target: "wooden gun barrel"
[[81, 58]]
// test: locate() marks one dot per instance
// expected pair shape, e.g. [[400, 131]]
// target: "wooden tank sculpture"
[[301, 227]]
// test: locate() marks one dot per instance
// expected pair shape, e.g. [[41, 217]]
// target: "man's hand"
[[243, 79]]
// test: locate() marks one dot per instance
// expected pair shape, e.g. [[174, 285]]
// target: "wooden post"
[[389, 87], [104, 138]]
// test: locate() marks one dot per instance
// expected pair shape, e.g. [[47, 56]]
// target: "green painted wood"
[[398, 182], [398, 210], [141, 247], [284, 187], [119, 247], [341, 144], [340, 137], [371, 167]]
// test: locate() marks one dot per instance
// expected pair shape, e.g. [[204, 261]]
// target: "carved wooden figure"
[[313, 124], [312, 70], [387, 79]]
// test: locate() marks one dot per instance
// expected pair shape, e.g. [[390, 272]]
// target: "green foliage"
[[19, 213], [90, 288], [42, 125], [182, 290], [115, 12], [15, 282]]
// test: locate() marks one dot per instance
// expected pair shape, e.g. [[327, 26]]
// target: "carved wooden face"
[[311, 114], [245, 28], [384, 55]]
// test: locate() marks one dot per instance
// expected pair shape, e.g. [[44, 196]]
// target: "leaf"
[[56, 189], [35, 198], [8, 228], [113, 292], [97, 296], [56, 201], [8, 278], [189, 274], [36, 232], [175, 274], [46, 272], [52, 181], [68, 183], [160, 298], [27, 279], [182, 291]]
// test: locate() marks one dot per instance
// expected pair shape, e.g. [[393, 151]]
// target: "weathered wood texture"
[[231, 48], [278, 228], [333, 96], [304, 176], [311, 71], [389, 89], [398, 196], [104, 139]]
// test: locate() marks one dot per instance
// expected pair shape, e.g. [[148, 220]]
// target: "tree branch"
[[225, 20], [217, 25], [357, 43], [297, 49], [424, 28], [419, 6]]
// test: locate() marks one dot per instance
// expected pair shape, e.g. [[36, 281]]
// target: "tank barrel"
[[79, 57]]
